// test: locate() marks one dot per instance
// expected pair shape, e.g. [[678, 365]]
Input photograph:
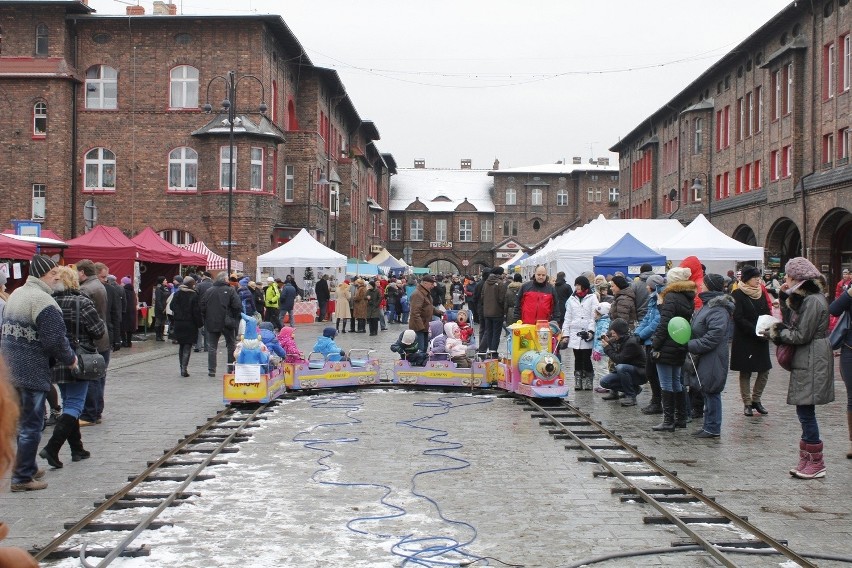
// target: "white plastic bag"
[[763, 324]]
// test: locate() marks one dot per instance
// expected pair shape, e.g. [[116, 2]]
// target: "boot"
[[849, 422], [50, 452], [803, 458], [668, 401], [75, 440], [337, 325], [578, 380], [681, 409], [185, 352], [815, 467], [654, 406], [588, 380], [351, 325]]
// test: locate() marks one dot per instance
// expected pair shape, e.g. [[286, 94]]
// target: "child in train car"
[[287, 340], [600, 362], [437, 339], [267, 335], [465, 329], [325, 344], [455, 347], [407, 347]]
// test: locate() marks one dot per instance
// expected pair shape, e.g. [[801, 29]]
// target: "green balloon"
[[680, 330]]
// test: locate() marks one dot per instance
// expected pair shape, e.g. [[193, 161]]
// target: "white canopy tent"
[[302, 251], [716, 250]]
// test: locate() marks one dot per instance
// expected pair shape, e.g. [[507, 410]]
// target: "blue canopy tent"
[[361, 269], [393, 266], [627, 255]]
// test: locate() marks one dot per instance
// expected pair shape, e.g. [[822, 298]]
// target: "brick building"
[[759, 143], [473, 218], [112, 116]]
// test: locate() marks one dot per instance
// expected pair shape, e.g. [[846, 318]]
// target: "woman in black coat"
[[750, 353], [129, 322], [187, 321]]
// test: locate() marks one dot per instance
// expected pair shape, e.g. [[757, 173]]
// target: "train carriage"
[[360, 368], [445, 373]]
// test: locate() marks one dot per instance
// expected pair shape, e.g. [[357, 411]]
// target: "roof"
[[41, 67], [450, 187], [154, 248], [71, 6], [243, 124], [554, 169]]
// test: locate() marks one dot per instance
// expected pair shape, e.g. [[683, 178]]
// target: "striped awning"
[[214, 261]]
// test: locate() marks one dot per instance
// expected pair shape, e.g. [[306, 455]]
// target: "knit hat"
[[110, 277], [408, 337], [188, 281], [41, 265], [244, 281], [678, 274], [582, 281], [714, 282], [621, 282], [800, 268], [251, 327], [646, 268], [497, 271], [329, 332], [126, 280], [603, 308], [619, 326], [655, 281], [749, 272]]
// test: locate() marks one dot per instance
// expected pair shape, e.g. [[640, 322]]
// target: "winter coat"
[[288, 297], [579, 316], [271, 341], [322, 291], [641, 294], [421, 309], [624, 306], [92, 327], [812, 377], [493, 297], [749, 352], [843, 303], [115, 310], [646, 328], [601, 327], [697, 277], [329, 348], [563, 292], [405, 351], [271, 296], [374, 301], [712, 328], [288, 343], [161, 294], [676, 299], [537, 302], [187, 315], [453, 343], [96, 292], [626, 351], [512, 292], [437, 339], [359, 303], [130, 321], [256, 292], [341, 304], [247, 300], [219, 300]]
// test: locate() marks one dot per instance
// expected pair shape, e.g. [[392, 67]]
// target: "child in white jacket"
[[455, 347]]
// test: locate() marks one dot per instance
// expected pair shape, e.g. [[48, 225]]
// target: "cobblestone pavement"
[[149, 407]]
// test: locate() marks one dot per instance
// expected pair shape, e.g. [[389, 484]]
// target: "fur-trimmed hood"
[[683, 286], [808, 287], [713, 299]]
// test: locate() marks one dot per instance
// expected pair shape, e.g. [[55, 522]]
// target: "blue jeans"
[[289, 313], [201, 342], [626, 379], [807, 418], [94, 407], [73, 397], [669, 376], [404, 317], [713, 413], [30, 424], [391, 313]]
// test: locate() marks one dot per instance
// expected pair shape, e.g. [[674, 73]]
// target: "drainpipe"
[[74, 93]]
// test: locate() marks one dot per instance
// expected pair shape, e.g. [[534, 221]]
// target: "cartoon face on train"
[[539, 368]]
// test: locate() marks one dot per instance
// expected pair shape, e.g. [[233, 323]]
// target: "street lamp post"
[[229, 105], [697, 186]]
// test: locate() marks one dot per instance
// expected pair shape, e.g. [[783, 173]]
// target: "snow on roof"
[[441, 190], [557, 169]]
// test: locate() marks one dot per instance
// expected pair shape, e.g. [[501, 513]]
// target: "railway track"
[[707, 524], [172, 474]]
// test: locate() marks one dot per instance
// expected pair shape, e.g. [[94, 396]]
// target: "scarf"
[[753, 292], [581, 293]]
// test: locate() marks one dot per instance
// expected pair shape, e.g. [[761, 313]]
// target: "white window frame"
[[758, 126], [698, 142], [440, 229], [847, 61], [39, 201], [289, 183], [99, 170], [465, 230], [832, 70], [415, 230], [590, 195], [536, 196], [486, 230], [613, 194], [776, 109], [598, 195], [183, 162], [256, 179], [787, 161], [224, 165], [828, 158], [789, 98], [396, 229], [562, 197], [100, 78], [510, 228], [183, 87], [40, 116], [844, 139], [511, 196]]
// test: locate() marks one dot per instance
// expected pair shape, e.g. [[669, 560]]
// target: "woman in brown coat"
[[359, 308]]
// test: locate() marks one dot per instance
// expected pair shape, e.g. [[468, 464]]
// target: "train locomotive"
[[531, 367]]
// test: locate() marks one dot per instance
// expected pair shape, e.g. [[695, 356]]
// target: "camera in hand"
[[584, 335]]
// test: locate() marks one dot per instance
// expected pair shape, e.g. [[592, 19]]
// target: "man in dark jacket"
[[439, 291], [92, 288], [161, 294], [477, 301], [323, 296], [628, 355], [201, 289], [493, 308], [115, 305], [288, 303], [563, 292], [640, 290], [220, 300]]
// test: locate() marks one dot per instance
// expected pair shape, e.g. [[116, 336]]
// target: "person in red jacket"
[[537, 299]]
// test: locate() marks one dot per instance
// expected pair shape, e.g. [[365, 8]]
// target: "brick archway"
[[832, 243], [745, 234], [783, 241]]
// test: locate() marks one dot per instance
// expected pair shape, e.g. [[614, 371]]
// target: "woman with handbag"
[[812, 365], [841, 305], [187, 318], [82, 327], [750, 353]]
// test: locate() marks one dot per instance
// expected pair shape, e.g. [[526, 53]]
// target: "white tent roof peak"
[[303, 250], [700, 238]]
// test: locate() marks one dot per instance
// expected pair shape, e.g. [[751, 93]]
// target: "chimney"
[[496, 164], [465, 163], [603, 161], [163, 9], [576, 160], [136, 10], [419, 164]]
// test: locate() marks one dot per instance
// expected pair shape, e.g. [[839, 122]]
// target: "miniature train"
[[530, 369]]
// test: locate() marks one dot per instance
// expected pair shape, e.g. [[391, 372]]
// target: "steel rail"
[[709, 547]]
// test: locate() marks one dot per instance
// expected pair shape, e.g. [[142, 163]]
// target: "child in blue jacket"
[[326, 345]]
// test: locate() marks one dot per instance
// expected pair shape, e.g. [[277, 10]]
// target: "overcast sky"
[[527, 82]]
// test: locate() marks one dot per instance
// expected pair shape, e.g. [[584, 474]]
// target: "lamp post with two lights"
[[697, 186]]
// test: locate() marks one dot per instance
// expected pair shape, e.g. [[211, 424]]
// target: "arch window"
[[183, 89], [511, 196], [536, 196], [40, 120], [99, 171], [183, 169], [562, 197], [41, 38], [177, 237], [101, 87]]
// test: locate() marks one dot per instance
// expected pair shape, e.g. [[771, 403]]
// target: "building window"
[[183, 92], [257, 169], [41, 40], [746, 183], [843, 141], [416, 230], [536, 196], [396, 229], [757, 122], [99, 171], [787, 161], [827, 149], [177, 237], [511, 196], [227, 179], [562, 197], [845, 62], [486, 230], [598, 195], [757, 175], [101, 87], [466, 230], [40, 120], [698, 144], [183, 169], [776, 95], [39, 200], [741, 118], [774, 166], [738, 181], [289, 183], [613, 195], [829, 64], [440, 230], [510, 228], [787, 106], [590, 195]]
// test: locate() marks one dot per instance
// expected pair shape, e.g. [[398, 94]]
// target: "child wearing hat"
[[600, 363], [287, 340], [408, 348], [325, 344]]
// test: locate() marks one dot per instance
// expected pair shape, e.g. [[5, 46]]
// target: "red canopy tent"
[[104, 244], [154, 248], [15, 249]]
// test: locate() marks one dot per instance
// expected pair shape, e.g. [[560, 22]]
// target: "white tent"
[[716, 250], [302, 251]]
